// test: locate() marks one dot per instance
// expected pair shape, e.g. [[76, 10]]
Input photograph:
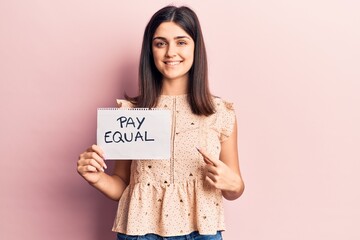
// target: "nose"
[[171, 51]]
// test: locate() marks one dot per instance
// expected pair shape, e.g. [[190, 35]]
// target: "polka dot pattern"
[[170, 197]]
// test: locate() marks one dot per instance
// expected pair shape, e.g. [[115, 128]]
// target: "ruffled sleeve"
[[226, 118], [121, 103]]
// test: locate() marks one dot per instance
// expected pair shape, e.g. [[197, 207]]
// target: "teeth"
[[172, 63]]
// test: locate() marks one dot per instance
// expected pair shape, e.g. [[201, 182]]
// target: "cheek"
[[190, 56], [155, 56], [157, 61], [189, 53]]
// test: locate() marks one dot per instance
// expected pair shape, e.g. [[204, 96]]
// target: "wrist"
[[96, 182], [235, 190]]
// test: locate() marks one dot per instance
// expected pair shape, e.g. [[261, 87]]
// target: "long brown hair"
[[150, 79]]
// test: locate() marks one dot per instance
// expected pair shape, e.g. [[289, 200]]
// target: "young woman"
[[179, 198]]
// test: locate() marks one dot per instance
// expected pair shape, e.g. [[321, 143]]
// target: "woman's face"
[[173, 51]]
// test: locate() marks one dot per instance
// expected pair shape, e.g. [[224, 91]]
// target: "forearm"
[[111, 186]]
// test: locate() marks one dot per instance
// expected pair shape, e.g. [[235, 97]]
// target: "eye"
[[160, 44], [182, 43]]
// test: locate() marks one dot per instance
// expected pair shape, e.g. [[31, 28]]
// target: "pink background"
[[291, 68]]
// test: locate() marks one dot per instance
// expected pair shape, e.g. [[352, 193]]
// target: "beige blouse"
[[170, 197]]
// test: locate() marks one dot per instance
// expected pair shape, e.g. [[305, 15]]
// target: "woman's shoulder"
[[221, 104], [122, 103], [225, 117]]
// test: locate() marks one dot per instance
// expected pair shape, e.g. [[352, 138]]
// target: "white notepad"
[[134, 134]]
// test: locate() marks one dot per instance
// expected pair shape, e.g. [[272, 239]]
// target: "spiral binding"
[[147, 109]]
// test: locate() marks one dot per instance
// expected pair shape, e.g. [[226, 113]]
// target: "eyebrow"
[[178, 37]]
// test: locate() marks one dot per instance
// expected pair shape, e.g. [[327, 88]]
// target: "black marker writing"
[[119, 137], [129, 121], [129, 136]]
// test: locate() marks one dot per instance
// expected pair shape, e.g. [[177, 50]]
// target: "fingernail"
[[105, 166]]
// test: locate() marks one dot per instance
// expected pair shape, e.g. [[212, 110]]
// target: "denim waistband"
[[192, 236]]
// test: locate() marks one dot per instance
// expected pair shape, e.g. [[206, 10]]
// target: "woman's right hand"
[[91, 164]]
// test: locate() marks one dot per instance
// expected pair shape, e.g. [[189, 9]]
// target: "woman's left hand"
[[219, 175]]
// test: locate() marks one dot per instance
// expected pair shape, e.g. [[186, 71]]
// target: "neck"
[[174, 87]]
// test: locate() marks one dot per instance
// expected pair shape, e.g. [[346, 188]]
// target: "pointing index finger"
[[205, 156]]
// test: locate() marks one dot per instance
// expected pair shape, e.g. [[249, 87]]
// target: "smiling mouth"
[[173, 63]]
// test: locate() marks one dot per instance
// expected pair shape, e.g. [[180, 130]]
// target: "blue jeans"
[[191, 236]]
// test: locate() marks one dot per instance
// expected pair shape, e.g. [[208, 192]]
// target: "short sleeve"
[[121, 103], [226, 118]]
